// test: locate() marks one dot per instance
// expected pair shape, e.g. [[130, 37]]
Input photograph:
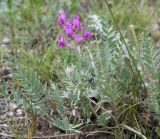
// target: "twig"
[[60, 136], [95, 132], [3, 125], [77, 135], [6, 135], [134, 131]]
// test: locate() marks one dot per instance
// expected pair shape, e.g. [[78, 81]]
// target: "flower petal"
[[78, 38], [61, 41], [68, 30], [62, 17], [86, 34], [76, 22]]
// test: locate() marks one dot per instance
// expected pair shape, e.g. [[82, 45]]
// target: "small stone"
[[19, 112], [12, 106], [3, 46], [5, 40], [9, 114]]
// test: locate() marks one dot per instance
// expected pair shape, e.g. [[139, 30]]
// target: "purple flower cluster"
[[73, 31]]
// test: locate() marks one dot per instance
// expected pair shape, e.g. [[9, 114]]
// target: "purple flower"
[[68, 30], [76, 23], [69, 21], [62, 17], [86, 34], [73, 30], [78, 38], [61, 41]]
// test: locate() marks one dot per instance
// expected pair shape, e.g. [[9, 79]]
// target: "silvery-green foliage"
[[112, 54], [33, 93], [57, 98], [96, 23], [151, 71]]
